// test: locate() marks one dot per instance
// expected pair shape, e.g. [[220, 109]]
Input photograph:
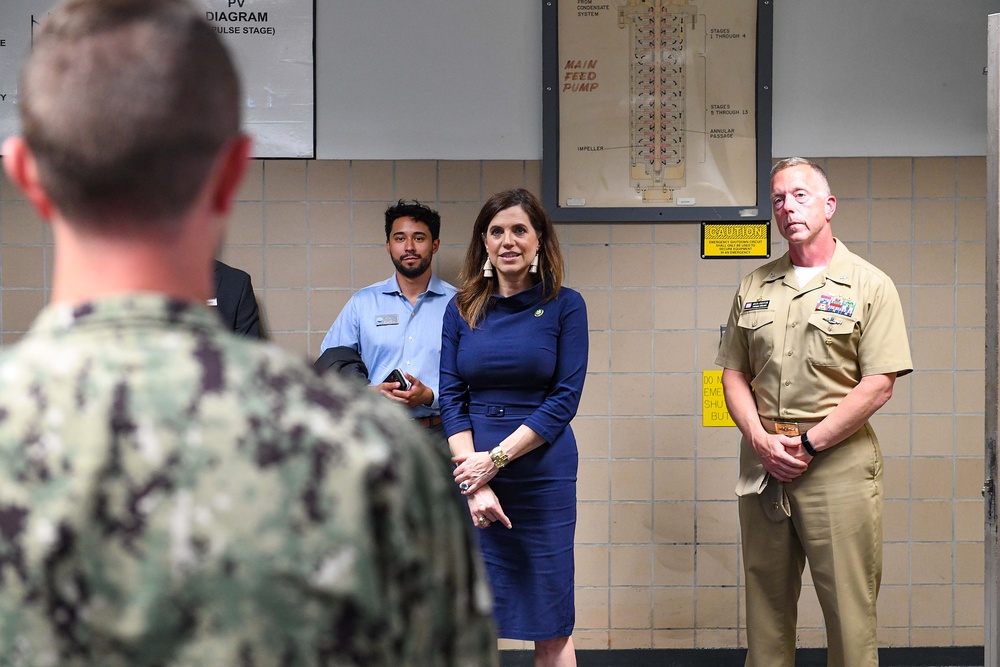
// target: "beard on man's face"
[[412, 270]]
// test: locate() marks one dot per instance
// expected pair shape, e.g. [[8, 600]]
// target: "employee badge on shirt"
[[386, 320], [836, 304]]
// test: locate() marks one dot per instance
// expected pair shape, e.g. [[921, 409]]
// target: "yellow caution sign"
[[713, 402], [735, 239]]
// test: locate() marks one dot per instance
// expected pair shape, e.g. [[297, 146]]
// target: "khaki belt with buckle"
[[788, 428]]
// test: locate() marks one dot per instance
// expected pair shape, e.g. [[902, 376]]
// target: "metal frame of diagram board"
[[656, 110]]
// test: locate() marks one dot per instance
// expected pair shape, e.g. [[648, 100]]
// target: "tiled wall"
[[657, 552]]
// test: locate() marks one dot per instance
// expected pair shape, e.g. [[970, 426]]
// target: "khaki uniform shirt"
[[806, 348], [171, 494]]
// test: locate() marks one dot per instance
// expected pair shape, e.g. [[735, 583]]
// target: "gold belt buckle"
[[785, 428]]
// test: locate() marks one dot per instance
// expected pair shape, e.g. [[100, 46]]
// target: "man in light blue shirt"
[[396, 324]]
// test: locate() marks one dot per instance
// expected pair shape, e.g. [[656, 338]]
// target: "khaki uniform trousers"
[[835, 523]]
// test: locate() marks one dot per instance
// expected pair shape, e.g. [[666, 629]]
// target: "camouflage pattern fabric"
[[171, 494]]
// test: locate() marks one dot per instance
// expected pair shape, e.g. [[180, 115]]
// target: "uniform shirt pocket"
[[831, 339], [758, 328]]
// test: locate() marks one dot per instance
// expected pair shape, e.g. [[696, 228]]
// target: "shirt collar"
[[839, 269], [434, 286]]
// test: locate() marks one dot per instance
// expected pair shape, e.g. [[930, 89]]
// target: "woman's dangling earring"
[[487, 269], [534, 263]]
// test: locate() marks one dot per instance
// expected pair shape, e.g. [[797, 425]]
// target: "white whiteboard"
[[460, 79]]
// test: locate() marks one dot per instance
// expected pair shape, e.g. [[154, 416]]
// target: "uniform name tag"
[[756, 305], [385, 320], [836, 304]]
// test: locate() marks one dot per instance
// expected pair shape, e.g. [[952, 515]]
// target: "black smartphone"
[[397, 376]]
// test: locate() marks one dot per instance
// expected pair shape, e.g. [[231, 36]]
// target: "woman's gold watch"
[[499, 457]]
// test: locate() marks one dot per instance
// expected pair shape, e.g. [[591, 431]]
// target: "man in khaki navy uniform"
[[814, 343]]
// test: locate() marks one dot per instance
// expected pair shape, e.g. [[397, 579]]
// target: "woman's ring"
[[464, 486], [482, 521]]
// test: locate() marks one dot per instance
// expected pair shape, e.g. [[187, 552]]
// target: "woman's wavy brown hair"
[[475, 289]]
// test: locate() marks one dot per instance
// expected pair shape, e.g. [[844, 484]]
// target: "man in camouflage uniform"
[[171, 494]]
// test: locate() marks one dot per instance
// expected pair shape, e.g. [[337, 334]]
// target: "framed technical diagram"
[[656, 110]]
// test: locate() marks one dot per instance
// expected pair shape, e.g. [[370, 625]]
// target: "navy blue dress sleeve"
[[563, 398], [453, 392]]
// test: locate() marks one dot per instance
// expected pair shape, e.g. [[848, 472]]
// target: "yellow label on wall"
[[735, 239], [713, 403]]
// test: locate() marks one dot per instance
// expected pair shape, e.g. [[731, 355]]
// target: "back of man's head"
[[125, 105]]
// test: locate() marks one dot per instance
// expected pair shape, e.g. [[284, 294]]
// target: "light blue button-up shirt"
[[381, 325]]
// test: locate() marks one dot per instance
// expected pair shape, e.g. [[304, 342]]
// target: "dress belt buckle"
[[494, 410], [786, 428]]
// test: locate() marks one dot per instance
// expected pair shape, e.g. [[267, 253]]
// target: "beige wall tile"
[[246, 224], [971, 216], [592, 437], [893, 608], [934, 220], [599, 355], [632, 310], [932, 564], [592, 523], [717, 522], [370, 264], [932, 435], [969, 435], [324, 307], [673, 607], [286, 223], [715, 479], [932, 478], [631, 523], [674, 437], [895, 259], [970, 388], [848, 177], [893, 433], [592, 607], [598, 308], [632, 266], [891, 220], [896, 556], [632, 233], [934, 264], [631, 394], [284, 180], [897, 478], [675, 265], [969, 563], [592, 570], [934, 177], [933, 349], [368, 223], [674, 352], [595, 395], [286, 266], [329, 266], [533, 177], [716, 607], [720, 273], [500, 175], [969, 520], [680, 232], [716, 565], [970, 305], [891, 178], [971, 263], [932, 606], [629, 639], [673, 522], [585, 233], [631, 608], [21, 224], [677, 394], [588, 266], [249, 258], [252, 186], [416, 179], [329, 223], [969, 478], [631, 437], [329, 180], [932, 305], [593, 482], [673, 565], [631, 352], [969, 607], [287, 310], [20, 307], [22, 266], [714, 305], [459, 180], [631, 565], [970, 344], [675, 308], [631, 480], [850, 224], [896, 520], [372, 180], [932, 521], [971, 176], [673, 479], [457, 222]]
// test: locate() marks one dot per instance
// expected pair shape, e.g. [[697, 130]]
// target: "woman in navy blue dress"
[[513, 362]]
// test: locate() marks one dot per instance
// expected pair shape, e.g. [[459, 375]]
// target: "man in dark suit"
[[235, 301]]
